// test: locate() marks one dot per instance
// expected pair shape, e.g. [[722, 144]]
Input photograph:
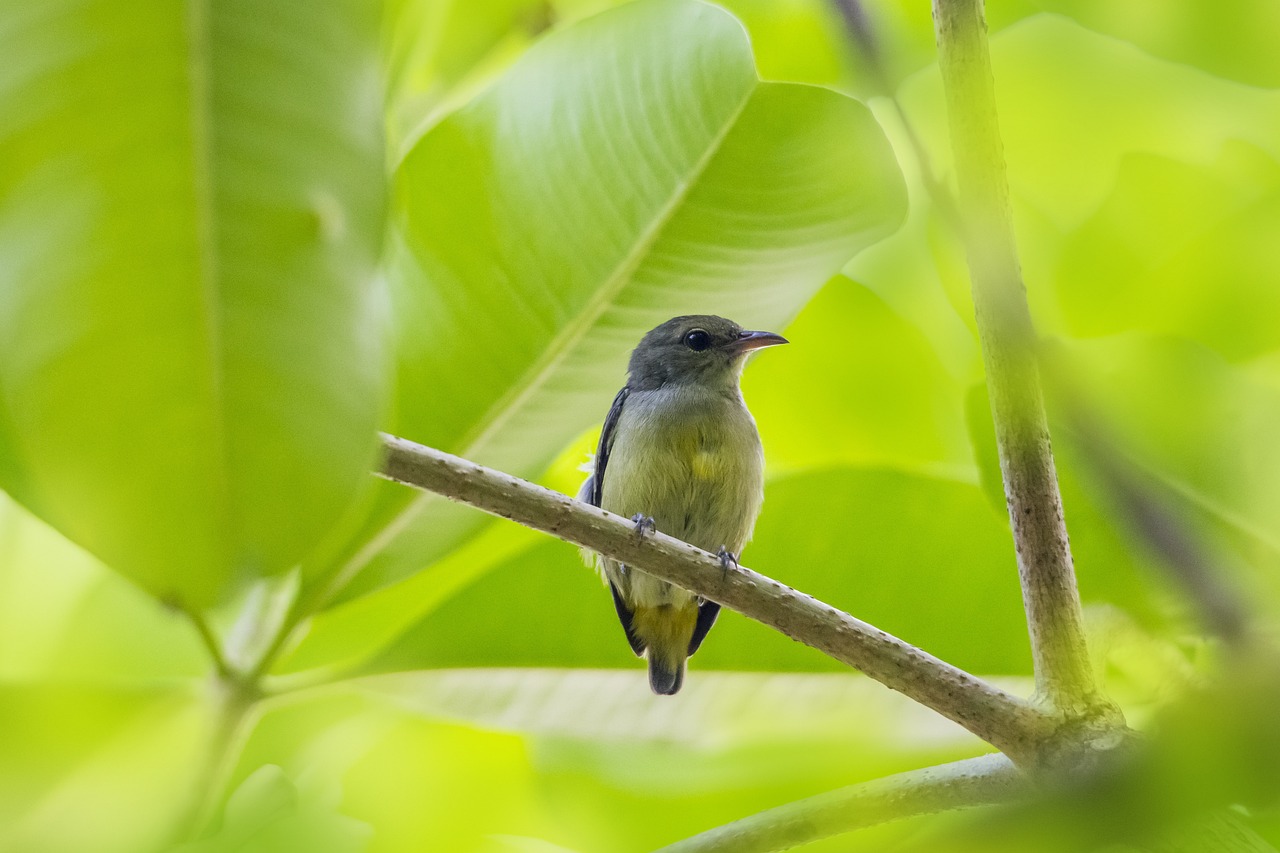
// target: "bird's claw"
[[728, 561], [644, 524]]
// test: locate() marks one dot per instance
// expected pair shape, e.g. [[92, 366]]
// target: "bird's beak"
[[748, 341]]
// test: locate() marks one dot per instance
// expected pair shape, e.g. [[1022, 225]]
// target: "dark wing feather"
[[627, 618], [606, 445], [707, 613], [595, 495]]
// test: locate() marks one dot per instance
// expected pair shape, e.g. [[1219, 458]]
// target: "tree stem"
[[1008, 722], [985, 780], [1064, 677], [236, 702]]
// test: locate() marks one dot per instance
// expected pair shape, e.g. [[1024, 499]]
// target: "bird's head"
[[698, 349]]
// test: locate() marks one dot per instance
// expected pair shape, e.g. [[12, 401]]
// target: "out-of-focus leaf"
[[857, 385], [346, 635], [1067, 134], [1200, 430], [919, 272], [798, 41], [65, 617], [602, 754], [628, 168], [437, 51], [921, 557], [1181, 249], [191, 366], [1233, 39], [80, 762], [268, 813], [717, 711], [523, 844]]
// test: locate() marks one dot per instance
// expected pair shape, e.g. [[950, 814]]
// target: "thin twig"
[[1010, 723], [866, 43], [1064, 676], [210, 642], [986, 780]]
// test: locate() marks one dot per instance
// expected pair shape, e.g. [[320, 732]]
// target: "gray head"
[[697, 349]]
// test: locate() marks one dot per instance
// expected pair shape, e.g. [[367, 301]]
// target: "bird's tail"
[[666, 674], [666, 631]]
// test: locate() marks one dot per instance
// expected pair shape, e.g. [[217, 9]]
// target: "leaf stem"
[[1010, 723], [210, 641], [985, 780], [1064, 677]]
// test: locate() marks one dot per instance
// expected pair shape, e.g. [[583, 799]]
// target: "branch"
[[981, 781], [1009, 723], [1063, 674]]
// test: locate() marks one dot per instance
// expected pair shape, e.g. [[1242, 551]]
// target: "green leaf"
[[65, 617], [627, 169], [1066, 134], [719, 709], [1235, 39], [598, 756], [97, 754], [191, 366], [268, 812], [438, 51], [858, 386], [1182, 249], [1200, 430], [800, 41]]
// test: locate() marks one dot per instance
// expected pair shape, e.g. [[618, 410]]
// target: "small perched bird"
[[680, 453]]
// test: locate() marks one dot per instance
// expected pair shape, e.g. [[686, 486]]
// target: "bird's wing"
[[605, 447], [593, 493], [707, 613]]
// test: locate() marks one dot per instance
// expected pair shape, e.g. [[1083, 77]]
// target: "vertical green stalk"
[[1064, 677]]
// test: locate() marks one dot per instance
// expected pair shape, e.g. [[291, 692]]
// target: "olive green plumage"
[[680, 447]]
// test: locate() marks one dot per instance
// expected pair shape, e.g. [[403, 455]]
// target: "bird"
[[679, 452]]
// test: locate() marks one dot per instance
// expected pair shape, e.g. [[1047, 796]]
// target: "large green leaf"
[[64, 617], [628, 168], [859, 385], [1066, 135], [448, 760], [190, 345], [79, 761], [1182, 249], [1234, 39], [438, 51], [1199, 432]]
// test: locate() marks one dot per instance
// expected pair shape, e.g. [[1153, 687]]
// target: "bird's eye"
[[697, 340]]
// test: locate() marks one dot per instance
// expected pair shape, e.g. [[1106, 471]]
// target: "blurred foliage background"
[[236, 238]]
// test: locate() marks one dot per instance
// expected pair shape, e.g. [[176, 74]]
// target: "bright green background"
[[231, 249]]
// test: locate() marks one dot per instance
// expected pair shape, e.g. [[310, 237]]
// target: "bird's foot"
[[728, 561], [644, 524]]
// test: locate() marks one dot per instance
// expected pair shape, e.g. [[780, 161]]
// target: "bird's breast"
[[692, 462]]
